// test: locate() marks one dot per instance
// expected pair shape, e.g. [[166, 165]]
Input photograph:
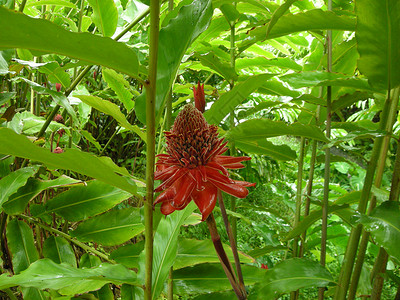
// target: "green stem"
[[22, 6], [150, 86], [352, 245], [69, 238], [10, 294], [109, 141], [132, 24]]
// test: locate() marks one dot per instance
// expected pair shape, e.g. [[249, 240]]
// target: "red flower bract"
[[193, 167]]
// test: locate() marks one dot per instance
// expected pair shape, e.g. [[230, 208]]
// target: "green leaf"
[[264, 147], [105, 16], [13, 181], [21, 245], [261, 61], [258, 129], [378, 29], [311, 219], [265, 250], [17, 202], [206, 278], [21, 31], [101, 168], [277, 14], [228, 101], [113, 110], [120, 86], [222, 68], [384, 226], [111, 228], [59, 250], [130, 292], [230, 12], [56, 74], [174, 40], [310, 20], [165, 247], [89, 260], [290, 275], [128, 255], [82, 202], [51, 2], [67, 280], [193, 252], [308, 79]]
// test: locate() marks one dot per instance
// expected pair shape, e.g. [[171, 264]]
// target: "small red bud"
[[59, 119], [58, 150], [94, 75], [58, 87], [264, 266], [199, 97]]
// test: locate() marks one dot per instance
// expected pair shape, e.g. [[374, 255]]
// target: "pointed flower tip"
[[199, 97]]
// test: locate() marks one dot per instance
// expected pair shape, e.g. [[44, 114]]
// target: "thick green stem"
[[150, 86], [352, 245], [223, 258]]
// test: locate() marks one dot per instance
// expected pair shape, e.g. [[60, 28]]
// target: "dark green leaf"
[[13, 181], [85, 163], [264, 147], [174, 40], [377, 34], [112, 228], [228, 101], [59, 250], [130, 292], [290, 275], [21, 245], [21, 31], [265, 250], [384, 226], [82, 202], [128, 255], [257, 129], [67, 280]]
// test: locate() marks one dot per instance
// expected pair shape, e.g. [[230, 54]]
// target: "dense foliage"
[[308, 89]]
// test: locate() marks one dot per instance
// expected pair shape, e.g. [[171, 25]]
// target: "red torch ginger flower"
[[199, 97], [193, 167]]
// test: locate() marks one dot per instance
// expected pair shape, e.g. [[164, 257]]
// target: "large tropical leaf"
[[264, 147], [21, 245], [21, 31], [112, 228], [310, 20], [258, 129], [67, 280], [174, 40], [13, 181], [384, 226], [290, 275], [85, 163], [59, 250], [377, 34], [82, 202], [105, 16], [120, 86], [228, 101]]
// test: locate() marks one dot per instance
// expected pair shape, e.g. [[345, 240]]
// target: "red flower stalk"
[[199, 97], [193, 167]]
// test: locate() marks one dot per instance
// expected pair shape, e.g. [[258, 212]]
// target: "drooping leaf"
[[310, 20], [290, 275], [378, 29], [264, 147], [384, 226], [105, 16], [82, 202], [120, 86], [67, 280], [180, 32], [222, 68], [13, 181], [113, 110], [21, 31], [277, 14], [21, 245], [228, 101], [111, 228], [206, 278], [56, 74], [258, 129], [17, 202], [59, 250]]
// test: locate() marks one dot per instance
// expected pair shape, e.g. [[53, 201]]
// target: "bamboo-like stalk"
[[325, 201], [150, 85], [378, 181], [352, 245]]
